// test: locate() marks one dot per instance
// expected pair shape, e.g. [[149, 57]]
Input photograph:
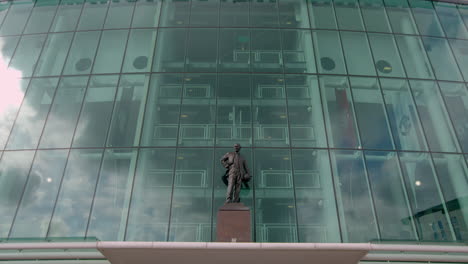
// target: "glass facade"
[[352, 114]]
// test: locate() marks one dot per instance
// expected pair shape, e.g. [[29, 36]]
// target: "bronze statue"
[[237, 173]]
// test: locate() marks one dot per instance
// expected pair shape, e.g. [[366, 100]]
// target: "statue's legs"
[[237, 189], [234, 186]]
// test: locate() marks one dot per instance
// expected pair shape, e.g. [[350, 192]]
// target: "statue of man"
[[237, 172]]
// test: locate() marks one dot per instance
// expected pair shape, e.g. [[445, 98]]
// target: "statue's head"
[[237, 147]]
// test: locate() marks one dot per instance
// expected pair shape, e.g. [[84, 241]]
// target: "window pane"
[[400, 17], [339, 113], [414, 58], [119, 14], [96, 114], [54, 54], [14, 169], [264, 14], [93, 15], [202, 50], [128, 111], [371, 116], [305, 112], [140, 48], [27, 53], [458, 48], [426, 18], [191, 210], [4, 6], [175, 13], [444, 64], [316, 204], [41, 17], [33, 113], [74, 201], [275, 214], [234, 13], [7, 49], [111, 51], [197, 115], [386, 57], [81, 56], [322, 14], [67, 15], [266, 51], [451, 20], [357, 53], [16, 18], [298, 53], [348, 15], [434, 117], [170, 50], [328, 52], [162, 110], [270, 116], [148, 221], [293, 14], [146, 13], [456, 100], [355, 208], [112, 198], [375, 15], [402, 115], [204, 13], [234, 50], [40, 194]]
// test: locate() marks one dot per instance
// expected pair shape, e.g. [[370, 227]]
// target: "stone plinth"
[[233, 223]]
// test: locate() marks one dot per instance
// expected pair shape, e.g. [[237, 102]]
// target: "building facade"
[[353, 116]]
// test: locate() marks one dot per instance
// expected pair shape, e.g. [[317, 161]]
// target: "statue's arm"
[[224, 160], [246, 168]]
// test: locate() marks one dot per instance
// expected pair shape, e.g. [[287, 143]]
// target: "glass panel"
[[386, 57], [27, 53], [67, 15], [459, 50], [16, 18], [426, 18], [76, 195], [60, 126], [339, 113], [191, 210], [40, 194], [112, 198], [128, 111], [93, 15], [7, 49], [371, 115], [391, 202], [445, 67], [355, 208], [234, 113], [162, 110], [414, 57], [348, 15], [4, 6], [266, 51], [451, 20], [234, 50], [316, 205], [81, 56], [14, 170], [275, 205], [293, 14], [197, 115], [434, 118], [453, 171], [456, 100], [264, 13], [400, 16], [204, 13], [463, 9], [41, 16], [270, 116], [375, 15], [111, 51], [54, 54], [202, 50], [305, 112], [10, 102], [151, 200], [298, 52], [146, 13], [328, 52], [357, 53], [33, 113], [232, 13], [425, 196], [140, 50], [175, 13], [96, 114], [170, 50], [119, 14], [322, 14], [402, 115]]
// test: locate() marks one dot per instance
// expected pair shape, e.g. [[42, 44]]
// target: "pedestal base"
[[233, 223]]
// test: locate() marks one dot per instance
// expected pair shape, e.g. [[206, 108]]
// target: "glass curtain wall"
[[352, 115]]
